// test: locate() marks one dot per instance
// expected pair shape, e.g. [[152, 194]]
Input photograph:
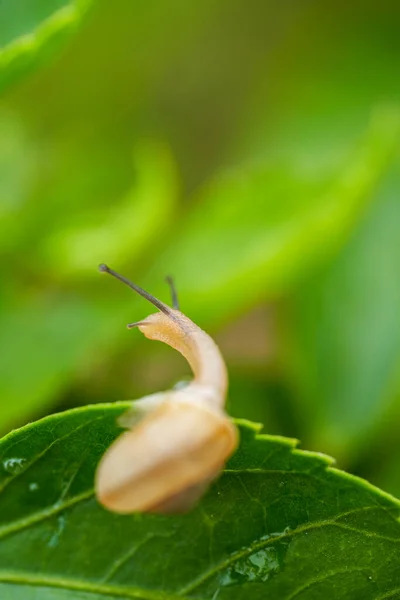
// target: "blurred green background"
[[250, 149]]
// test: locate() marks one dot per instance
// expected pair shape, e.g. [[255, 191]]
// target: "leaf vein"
[[44, 452], [324, 577], [43, 515], [263, 543], [83, 586]]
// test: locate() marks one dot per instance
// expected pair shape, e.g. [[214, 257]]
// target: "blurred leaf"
[[384, 466], [17, 161], [77, 177], [31, 31], [51, 335], [263, 397], [121, 231], [257, 229], [329, 67], [43, 337], [346, 328], [265, 528]]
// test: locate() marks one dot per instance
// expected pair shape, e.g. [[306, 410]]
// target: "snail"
[[177, 441]]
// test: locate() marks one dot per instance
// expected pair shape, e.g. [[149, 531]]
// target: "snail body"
[[177, 441]]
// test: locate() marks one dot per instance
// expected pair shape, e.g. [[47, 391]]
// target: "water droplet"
[[33, 486], [259, 566], [14, 465]]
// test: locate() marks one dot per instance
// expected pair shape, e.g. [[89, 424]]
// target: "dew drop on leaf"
[[259, 566], [14, 465]]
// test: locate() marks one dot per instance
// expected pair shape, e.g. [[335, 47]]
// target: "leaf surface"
[[279, 523]]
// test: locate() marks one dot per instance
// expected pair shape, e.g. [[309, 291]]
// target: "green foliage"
[[297, 217], [347, 333], [63, 329], [250, 150], [279, 522], [31, 32]]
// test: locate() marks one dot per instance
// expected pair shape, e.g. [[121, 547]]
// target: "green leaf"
[[259, 228], [17, 168], [346, 333], [43, 338], [31, 32], [55, 333], [127, 230], [280, 523]]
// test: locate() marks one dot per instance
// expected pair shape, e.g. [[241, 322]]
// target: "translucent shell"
[[167, 461]]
